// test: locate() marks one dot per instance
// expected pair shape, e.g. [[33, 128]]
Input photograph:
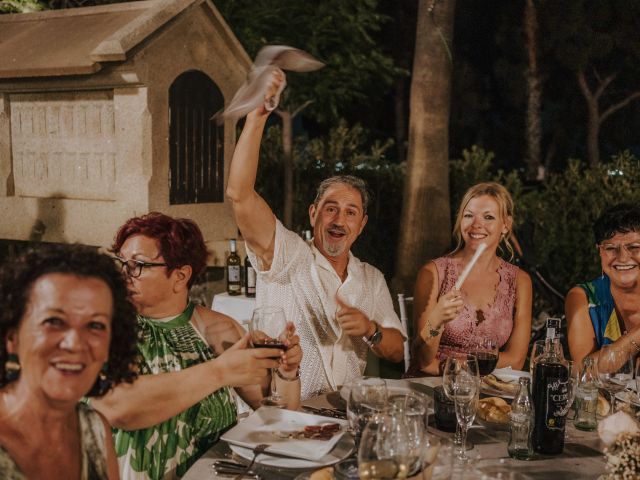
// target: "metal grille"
[[196, 142]]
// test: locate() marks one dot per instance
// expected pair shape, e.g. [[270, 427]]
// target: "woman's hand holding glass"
[[292, 356], [269, 330]]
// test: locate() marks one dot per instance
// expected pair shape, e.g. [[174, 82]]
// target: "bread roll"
[[494, 409], [603, 406], [322, 474], [506, 387]]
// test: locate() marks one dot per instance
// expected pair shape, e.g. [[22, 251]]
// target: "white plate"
[[509, 375], [341, 451], [261, 425]]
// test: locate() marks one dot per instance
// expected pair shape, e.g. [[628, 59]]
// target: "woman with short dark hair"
[[606, 310], [190, 356], [68, 331]]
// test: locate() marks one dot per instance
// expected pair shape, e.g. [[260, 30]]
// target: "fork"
[[257, 450]]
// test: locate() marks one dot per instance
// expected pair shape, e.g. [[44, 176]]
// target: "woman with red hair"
[[189, 356]]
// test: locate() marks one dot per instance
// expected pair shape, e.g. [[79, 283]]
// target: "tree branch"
[[604, 84], [584, 86], [614, 108], [301, 107]]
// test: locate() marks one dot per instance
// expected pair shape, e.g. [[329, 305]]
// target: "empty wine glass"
[[615, 369], [268, 329], [411, 408], [367, 396], [466, 391], [455, 365]]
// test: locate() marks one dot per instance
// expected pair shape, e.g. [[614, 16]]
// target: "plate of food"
[[502, 382], [493, 412], [340, 451], [288, 433]]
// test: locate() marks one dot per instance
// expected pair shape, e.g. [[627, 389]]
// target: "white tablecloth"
[[238, 307]]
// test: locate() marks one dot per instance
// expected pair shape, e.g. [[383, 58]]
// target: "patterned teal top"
[[168, 449], [602, 310]]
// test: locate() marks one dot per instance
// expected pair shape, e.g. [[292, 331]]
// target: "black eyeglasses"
[[133, 268]]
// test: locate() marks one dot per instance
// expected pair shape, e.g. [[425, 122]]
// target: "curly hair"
[[18, 276], [505, 205], [179, 239], [620, 218]]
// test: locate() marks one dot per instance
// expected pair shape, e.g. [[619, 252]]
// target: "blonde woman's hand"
[[448, 307]]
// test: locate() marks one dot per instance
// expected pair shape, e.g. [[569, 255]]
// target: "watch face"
[[376, 337]]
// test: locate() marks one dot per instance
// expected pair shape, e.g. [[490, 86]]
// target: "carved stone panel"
[[64, 145]]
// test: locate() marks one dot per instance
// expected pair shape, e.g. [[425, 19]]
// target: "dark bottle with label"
[[234, 283], [249, 278], [550, 395]]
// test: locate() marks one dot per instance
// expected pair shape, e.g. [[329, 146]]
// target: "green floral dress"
[[167, 450]]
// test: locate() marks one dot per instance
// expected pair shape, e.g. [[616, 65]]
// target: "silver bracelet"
[[282, 377]]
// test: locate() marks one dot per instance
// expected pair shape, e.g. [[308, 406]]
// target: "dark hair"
[[18, 276], [179, 240], [354, 182], [620, 218]]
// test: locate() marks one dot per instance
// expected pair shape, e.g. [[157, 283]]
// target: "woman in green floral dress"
[[190, 356]]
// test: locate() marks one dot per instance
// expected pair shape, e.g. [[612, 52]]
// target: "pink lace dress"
[[496, 321]]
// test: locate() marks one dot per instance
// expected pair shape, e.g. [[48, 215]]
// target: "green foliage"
[[344, 151], [20, 6], [337, 32], [564, 210]]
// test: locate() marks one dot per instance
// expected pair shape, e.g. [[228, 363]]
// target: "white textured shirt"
[[303, 282]]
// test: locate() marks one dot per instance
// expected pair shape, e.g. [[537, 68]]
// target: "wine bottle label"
[[251, 278], [233, 271], [557, 398]]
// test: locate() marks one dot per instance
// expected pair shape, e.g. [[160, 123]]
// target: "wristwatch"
[[375, 337]]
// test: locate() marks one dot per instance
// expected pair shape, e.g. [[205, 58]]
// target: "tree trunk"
[[533, 132], [425, 227], [287, 160]]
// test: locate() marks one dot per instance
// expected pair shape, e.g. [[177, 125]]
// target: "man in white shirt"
[[341, 306]]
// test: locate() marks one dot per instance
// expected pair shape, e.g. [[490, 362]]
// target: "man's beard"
[[333, 249]]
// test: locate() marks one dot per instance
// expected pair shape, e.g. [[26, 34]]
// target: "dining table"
[[582, 458]]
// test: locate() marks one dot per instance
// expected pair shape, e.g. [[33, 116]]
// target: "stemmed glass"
[[615, 369], [572, 387], [367, 396], [461, 365], [411, 408], [486, 351], [268, 329]]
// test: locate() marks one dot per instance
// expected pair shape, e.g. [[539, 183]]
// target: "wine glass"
[[454, 365], [268, 329], [367, 396], [486, 351], [412, 407], [536, 350], [614, 368], [466, 391], [386, 449], [572, 387]]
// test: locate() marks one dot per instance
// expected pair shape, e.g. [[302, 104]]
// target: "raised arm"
[[430, 314], [515, 351], [253, 216], [154, 398]]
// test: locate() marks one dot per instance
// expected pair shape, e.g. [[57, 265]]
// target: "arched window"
[[196, 142]]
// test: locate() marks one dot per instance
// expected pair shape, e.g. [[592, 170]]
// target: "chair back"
[[403, 302]]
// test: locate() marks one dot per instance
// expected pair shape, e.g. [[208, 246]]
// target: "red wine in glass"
[[487, 362]]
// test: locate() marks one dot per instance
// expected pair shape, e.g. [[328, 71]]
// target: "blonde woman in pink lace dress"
[[494, 301]]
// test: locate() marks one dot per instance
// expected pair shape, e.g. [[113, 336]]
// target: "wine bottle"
[[249, 278], [233, 270], [550, 395]]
